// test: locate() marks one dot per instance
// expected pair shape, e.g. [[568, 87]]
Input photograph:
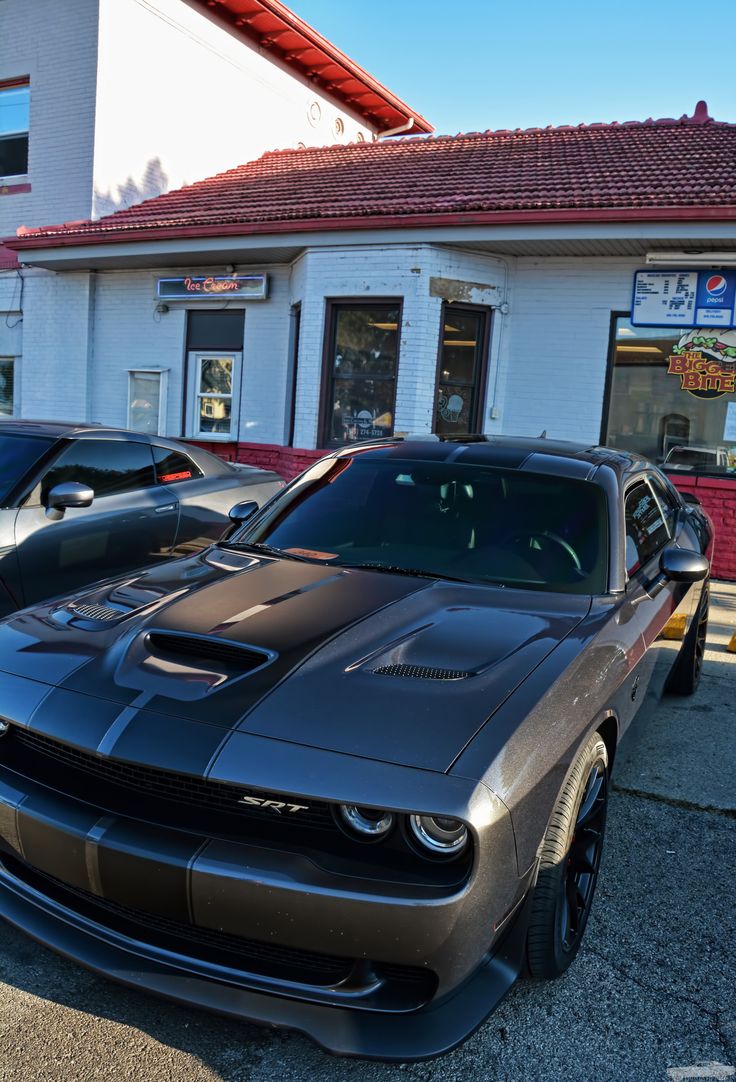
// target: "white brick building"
[[477, 283]]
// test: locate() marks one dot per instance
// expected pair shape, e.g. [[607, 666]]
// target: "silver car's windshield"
[[445, 520]]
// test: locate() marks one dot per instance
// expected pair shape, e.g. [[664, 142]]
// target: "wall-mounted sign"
[[705, 361], [208, 287], [684, 298]]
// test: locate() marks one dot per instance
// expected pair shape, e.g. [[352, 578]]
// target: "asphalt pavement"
[[651, 996]]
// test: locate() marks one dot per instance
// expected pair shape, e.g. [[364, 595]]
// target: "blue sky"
[[485, 64]]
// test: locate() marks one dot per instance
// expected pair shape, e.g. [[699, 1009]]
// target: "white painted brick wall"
[[552, 357], [56, 45], [554, 371], [58, 313], [400, 271]]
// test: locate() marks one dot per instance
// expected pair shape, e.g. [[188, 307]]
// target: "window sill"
[[14, 185]]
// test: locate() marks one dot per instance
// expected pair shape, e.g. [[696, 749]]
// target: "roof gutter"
[[26, 242], [396, 131]]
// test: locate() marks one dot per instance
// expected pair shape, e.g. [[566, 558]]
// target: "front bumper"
[[386, 967]]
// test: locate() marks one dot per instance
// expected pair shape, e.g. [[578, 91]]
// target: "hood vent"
[[421, 672], [171, 646], [96, 612]]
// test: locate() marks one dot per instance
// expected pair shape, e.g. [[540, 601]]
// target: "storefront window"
[[146, 400], [362, 357], [673, 396], [7, 386], [215, 390], [463, 350]]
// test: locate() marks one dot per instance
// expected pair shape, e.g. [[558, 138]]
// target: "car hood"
[[366, 663]]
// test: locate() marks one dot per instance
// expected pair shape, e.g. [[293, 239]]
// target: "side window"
[[646, 530], [667, 501], [109, 467], [173, 466]]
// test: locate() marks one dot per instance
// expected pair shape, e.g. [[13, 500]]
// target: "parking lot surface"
[[651, 995]]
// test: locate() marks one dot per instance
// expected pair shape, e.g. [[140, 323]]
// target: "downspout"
[[396, 131]]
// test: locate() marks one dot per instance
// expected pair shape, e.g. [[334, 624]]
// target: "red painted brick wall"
[[718, 497], [288, 461]]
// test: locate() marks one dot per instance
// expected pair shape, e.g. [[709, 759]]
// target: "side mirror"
[[241, 512], [690, 497], [683, 565], [68, 494]]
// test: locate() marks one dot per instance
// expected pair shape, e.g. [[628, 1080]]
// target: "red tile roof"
[[637, 170], [273, 27]]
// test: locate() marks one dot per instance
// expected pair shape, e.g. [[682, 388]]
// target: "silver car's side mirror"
[[68, 494], [241, 512]]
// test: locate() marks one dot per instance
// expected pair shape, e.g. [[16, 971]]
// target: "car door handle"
[[166, 507]]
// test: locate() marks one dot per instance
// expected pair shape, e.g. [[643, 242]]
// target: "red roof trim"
[[271, 25], [25, 242]]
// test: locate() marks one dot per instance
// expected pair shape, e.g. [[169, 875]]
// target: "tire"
[[687, 670], [569, 862]]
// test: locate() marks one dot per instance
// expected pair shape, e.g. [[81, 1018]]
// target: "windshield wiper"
[[267, 550], [393, 569]]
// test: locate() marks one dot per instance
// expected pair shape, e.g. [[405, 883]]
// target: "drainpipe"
[[396, 131]]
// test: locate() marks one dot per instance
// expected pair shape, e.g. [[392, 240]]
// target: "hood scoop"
[[96, 612], [204, 650], [184, 667], [421, 672]]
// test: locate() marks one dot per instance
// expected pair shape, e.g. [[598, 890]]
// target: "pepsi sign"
[[684, 298], [714, 302]]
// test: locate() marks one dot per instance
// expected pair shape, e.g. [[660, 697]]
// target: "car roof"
[[509, 452]]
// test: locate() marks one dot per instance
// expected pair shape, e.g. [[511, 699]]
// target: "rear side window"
[[172, 466], [646, 530], [667, 501], [109, 467]]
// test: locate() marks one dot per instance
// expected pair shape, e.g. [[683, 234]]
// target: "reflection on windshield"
[[17, 455], [444, 520]]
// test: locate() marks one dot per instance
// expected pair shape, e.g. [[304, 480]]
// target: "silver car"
[[82, 502]]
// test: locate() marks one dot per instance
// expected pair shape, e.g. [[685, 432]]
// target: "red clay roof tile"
[[583, 173]]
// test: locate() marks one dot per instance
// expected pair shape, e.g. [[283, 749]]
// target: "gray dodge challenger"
[[346, 771]]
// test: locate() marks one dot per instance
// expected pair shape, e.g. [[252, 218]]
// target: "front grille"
[[274, 960], [421, 672], [213, 796]]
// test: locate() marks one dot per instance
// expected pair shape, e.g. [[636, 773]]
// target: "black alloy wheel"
[[569, 863], [688, 668]]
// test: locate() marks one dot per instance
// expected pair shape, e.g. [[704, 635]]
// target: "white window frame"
[[16, 389], [21, 84], [163, 386], [193, 395]]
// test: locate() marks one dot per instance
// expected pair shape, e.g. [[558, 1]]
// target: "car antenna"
[[543, 435]]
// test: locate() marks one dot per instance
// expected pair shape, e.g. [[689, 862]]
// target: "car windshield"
[[17, 455], [442, 519], [692, 456]]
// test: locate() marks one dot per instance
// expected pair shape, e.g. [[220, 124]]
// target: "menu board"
[[684, 298], [664, 298]]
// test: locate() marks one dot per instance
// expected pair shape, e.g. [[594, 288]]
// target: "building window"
[[147, 400], [361, 361], [7, 386], [461, 369], [215, 388], [672, 396], [15, 100]]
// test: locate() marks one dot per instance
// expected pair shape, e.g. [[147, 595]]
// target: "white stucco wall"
[[179, 98], [56, 46]]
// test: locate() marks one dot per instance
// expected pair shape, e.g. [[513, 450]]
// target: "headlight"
[[439, 834], [368, 822], [4, 726]]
